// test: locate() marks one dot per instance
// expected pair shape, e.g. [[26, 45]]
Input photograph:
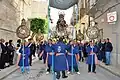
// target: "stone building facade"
[[11, 13], [97, 10]]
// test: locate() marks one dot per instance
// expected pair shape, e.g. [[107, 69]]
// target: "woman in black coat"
[[7, 58], [2, 58]]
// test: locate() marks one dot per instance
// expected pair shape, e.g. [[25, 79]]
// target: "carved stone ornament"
[[92, 32], [23, 31], [80, 36]]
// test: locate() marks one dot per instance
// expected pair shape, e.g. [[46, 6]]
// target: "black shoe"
[[57, 77], [88, 71], [106, 64], [94, 72], [64, 76], [11, 64]]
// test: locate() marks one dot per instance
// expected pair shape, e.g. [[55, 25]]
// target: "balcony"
[[96, 5]]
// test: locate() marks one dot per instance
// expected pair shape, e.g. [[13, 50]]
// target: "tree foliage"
[[38, 25]]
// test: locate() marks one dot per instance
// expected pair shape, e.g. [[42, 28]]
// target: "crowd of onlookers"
[[8, 52]]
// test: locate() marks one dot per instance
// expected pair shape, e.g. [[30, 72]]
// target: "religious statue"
[[61, 25]]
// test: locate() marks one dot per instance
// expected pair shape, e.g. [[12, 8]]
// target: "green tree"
[[38, 26]]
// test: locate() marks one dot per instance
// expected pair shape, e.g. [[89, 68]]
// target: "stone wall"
[[39, 9], [8, 20], [11, 13], [109, 30]]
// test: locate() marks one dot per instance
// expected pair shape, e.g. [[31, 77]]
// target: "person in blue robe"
[[72, 56], [43, 53], [92, 58], [23, 58], [81, 51], [60, 58], [50, 55]]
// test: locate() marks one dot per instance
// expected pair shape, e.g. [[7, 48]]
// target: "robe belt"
[[92, 54], [71, 54], [50, 53], [61, 53]]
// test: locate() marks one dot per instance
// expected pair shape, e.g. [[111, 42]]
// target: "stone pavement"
[[111, 69], [7, 71], [38, 73]]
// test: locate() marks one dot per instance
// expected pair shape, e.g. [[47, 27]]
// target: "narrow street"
[[38, 73]]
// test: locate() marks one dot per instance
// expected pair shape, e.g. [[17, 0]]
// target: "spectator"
[[3, 51], [7, 56], [103, 50], [108, 50], [11, 52], [100, 46]]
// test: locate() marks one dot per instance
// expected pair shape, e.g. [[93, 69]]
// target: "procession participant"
[[43, 53], [92, 58], [41, 48], [85, 50], [81, 51], [30, 45], [24, 63], [60, 58], [73, 56], [53, 41], [50, 55]]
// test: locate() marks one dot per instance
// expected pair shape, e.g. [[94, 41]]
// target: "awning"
[[62, 4]]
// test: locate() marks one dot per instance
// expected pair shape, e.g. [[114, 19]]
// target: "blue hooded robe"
[[75, 52], [49, 49], [60, 61], [91, 57], [25, 56]]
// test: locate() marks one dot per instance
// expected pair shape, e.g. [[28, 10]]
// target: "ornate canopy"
[[62, 4]]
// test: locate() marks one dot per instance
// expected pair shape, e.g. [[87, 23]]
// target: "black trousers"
[[49, 68], [75, 68], [104, 58], [93, 67], [34, 53], [2, 61], [11, 58], [58, 74], [30, 59]]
